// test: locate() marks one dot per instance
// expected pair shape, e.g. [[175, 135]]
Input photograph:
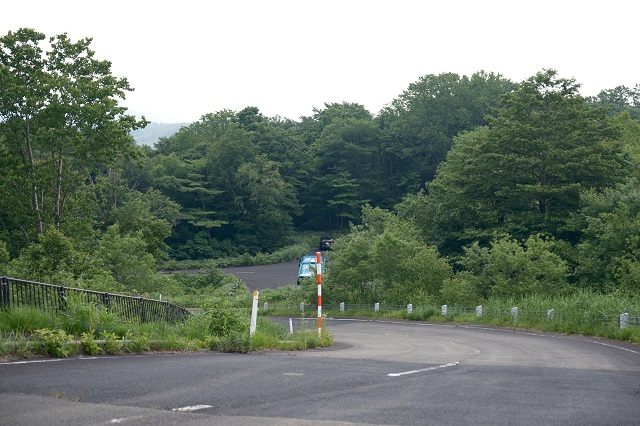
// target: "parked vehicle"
[[307, 268], [325, 243]]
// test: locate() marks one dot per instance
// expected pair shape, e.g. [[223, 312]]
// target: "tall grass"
[[583, 312], [87, 328]]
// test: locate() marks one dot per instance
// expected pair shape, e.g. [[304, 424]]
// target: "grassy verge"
[[581, 313], [90, 330]]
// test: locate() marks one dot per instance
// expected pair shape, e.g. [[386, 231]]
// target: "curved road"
[[260, 277], [378, 372]]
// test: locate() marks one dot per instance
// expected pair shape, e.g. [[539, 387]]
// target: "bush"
[[56, 342]]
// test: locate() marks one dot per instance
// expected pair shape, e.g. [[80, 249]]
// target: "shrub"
[[56, 342]]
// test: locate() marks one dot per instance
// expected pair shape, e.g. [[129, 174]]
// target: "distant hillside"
[[154, 131]]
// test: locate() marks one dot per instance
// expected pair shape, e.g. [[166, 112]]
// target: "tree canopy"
[[461, 188]]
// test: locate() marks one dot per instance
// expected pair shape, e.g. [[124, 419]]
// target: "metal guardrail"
[[49, 297]]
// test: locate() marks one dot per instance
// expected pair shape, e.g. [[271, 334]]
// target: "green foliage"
[[46, 259], [56, 342], [26, 319], [59, 120], [4, 257], [419, 125], [126, 257], [81, 316], [384, 260], [235, 341], [509, 269], [609, 253], [224, 321], [523, 173], [89, 344]]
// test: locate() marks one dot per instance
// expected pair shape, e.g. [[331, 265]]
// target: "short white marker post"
[[290, 325], [409, 308], [479, 310], [254, 313], [624, 320], [444, 309], [514, 313]]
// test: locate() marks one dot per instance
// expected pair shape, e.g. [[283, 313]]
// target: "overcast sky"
[[187, 58]]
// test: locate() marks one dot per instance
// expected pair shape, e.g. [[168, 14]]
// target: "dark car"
[[326, 242]]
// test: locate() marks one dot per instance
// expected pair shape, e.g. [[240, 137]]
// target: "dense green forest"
[[462, 189]]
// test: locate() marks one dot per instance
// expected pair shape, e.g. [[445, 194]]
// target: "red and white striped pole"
[[319, 278]]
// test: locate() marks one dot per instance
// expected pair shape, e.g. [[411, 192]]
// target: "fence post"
[[143, 314], [409, 308], [624, 320], [514, 312], [4, 293], [341, 306], [444, 309], [62, 300], [105, 301], [479, 311]]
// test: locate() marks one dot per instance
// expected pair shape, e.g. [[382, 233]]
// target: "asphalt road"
[[262, 277], [378, 372]]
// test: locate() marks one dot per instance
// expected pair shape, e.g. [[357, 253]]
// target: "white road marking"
[[125, 419], [192, 408], [293, 374], [437, 367], [41, 361]]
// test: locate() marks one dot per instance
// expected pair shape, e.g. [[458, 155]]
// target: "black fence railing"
[[49, 297]]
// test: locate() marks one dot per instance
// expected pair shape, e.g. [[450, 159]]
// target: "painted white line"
[[292, 374], [437, 367], [42, 361], [192, 408], [125, 419]]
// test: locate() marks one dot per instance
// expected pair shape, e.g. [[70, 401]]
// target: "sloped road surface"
[[378, 372], [261, 277]]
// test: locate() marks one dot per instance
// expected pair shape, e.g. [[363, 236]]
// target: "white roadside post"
[[624, 320], [254, 313], [514, 313]]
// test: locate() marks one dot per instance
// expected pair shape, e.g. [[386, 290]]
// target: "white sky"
[[187, 58]]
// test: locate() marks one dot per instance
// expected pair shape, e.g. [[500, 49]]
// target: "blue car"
[[307, 267]]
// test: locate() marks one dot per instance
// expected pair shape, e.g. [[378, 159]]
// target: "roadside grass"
[[581, 313], [86, 329]]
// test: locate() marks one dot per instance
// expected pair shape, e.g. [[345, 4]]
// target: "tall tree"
[[523, 173], [419, 125], [59, 118]]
